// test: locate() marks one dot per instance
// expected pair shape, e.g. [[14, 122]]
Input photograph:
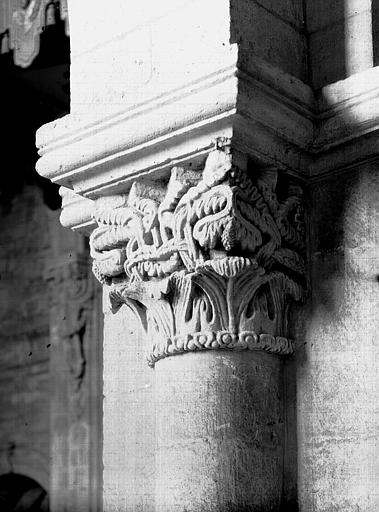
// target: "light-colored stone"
[[150, 51], [338, 374], [219, 441], [128, 417], [195, 262], [198, 262], [171, 250]]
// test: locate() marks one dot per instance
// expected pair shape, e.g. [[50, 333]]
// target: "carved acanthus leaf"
[[212, 263]]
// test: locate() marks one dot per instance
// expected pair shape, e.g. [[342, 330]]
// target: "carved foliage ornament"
[[212, 262], [71, 298], [21, 24]]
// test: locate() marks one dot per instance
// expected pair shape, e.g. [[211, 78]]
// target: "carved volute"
[[212, 261]]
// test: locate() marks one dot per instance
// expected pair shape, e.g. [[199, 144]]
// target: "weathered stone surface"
[[50, 360], [173, 110], [338, 374], [211, 261], [340, 39], [75, 369], [250, 22], [144, 38], [219, 437], [24, 339], [129, 417], [323, 13], [289, 10], [206, 263]]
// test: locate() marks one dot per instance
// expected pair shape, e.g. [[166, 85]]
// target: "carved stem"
[[230, 302]]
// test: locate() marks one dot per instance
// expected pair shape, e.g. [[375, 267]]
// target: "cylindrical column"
[[214, 324], [219, 432]]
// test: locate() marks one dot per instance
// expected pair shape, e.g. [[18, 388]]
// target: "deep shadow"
[[30, 98], [19, 493], [325, 28]]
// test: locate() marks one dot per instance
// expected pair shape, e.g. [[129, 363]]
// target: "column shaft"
[[219, 432]]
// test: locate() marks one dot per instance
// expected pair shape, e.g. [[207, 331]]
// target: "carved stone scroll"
[[211, 262]]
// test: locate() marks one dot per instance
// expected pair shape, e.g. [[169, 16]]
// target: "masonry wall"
[[285, 49], [338, 370], [335, 361], [24, 338], [340, 37], [50, 356]]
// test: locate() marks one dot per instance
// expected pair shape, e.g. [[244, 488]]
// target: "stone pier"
[[198, 158]]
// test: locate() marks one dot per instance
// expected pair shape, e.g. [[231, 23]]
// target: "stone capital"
[[210, 260]]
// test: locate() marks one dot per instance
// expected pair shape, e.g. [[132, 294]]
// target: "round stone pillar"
[[209, 265], [219, 432]]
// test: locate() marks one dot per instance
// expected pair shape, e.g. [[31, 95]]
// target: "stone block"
[[129, 416], [290, 11], [341, 49], [338, 372], [260, 34], [325, 13], [159, 55], [91, 25]]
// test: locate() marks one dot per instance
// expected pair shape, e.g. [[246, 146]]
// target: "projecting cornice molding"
[[144, 141], [268, 115], [211, 261], [204, 248]]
